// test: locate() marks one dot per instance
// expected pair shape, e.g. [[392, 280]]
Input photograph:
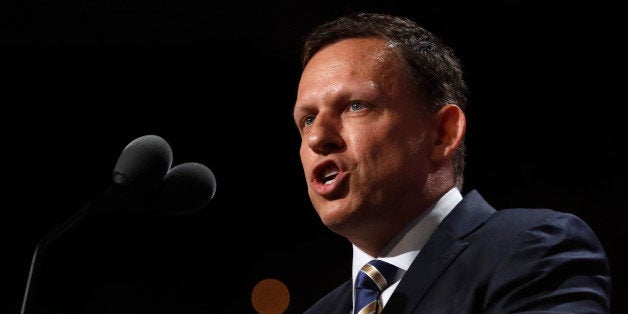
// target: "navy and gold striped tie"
[[372, 279]]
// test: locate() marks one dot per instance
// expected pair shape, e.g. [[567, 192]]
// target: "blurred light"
[[270, 296]]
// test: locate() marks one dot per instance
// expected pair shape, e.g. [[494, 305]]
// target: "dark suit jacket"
[[480, 260]]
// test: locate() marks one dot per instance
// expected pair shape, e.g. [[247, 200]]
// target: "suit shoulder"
[[541, 223], [535, 216]]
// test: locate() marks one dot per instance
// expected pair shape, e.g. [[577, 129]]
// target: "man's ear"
[[451, 125]]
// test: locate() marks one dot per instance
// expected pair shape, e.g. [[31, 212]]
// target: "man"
[[380, 110]]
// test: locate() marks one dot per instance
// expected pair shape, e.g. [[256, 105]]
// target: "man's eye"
[[356, 105], [309, 120]]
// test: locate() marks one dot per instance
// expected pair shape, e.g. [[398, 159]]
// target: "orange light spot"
[[270, 296]]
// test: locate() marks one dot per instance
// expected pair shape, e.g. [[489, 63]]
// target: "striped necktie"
[[372, 279]]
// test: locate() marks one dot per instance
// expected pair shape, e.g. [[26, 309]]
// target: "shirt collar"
[[402, 250]]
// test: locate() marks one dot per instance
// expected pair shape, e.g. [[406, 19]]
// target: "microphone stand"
[[145, 161], [34, 267], [112, 196]]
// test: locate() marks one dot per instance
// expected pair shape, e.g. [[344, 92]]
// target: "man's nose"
[[324, 136]]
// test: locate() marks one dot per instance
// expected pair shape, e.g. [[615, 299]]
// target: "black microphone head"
[[186, 188], [143, 163]]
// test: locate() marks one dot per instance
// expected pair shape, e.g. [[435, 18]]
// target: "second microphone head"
[[186, 188]]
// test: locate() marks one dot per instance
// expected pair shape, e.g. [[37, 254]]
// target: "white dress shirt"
[[404, 248]]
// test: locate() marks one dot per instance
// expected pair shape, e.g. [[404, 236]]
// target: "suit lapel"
[[345, 298], [439, 251], [337, 301]]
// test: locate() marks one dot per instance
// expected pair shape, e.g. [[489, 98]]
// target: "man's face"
[[365, 146]]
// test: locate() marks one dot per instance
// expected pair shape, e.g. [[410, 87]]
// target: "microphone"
[[186, 188], [141, 166], [143, 162]]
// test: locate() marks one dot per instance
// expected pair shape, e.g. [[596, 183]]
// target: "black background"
[[82, 79]]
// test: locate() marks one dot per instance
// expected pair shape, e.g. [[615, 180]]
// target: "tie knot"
[[376, 275], [372, 279]]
